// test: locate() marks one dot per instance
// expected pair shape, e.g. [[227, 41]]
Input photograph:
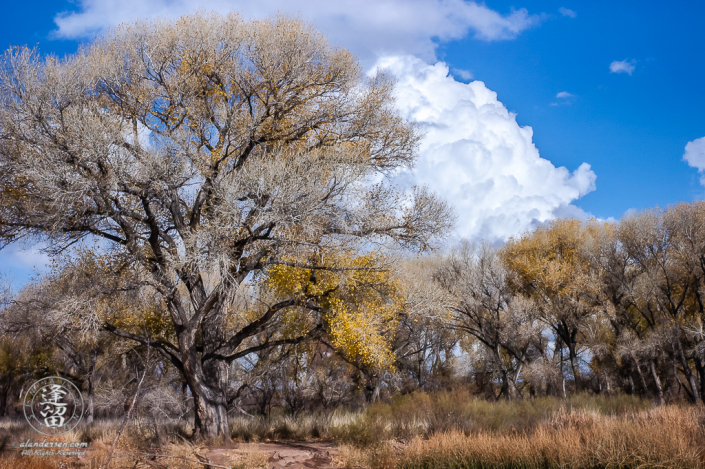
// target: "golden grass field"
[[430, 431]]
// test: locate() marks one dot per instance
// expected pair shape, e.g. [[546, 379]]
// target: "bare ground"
[[290, 455], [269, 455]]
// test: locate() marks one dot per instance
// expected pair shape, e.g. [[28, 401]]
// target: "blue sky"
[[549, 65], [631, 129]]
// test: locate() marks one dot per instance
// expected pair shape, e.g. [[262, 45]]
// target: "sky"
[[531, 110]]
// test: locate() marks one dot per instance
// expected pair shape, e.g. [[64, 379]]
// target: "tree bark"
[[90, 385], [209, 402], [560, 346], [212, 408], [657, 381], [572, 351], [211, 418], [4, 392], [642, 379], [701, 375], [508, 388], [693, 392], [208, 383], [632, 387]]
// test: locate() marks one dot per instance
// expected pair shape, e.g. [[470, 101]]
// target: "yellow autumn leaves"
[[359, 300], [549, 257]]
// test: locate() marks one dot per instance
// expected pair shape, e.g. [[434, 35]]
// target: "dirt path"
[[289, 455]]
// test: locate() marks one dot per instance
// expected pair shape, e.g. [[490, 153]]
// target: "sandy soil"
[[290, 455]]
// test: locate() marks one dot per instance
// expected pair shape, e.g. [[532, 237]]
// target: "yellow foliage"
[[361, 302], [548, 258]]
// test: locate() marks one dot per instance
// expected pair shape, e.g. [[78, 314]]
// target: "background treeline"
[[571, 307]]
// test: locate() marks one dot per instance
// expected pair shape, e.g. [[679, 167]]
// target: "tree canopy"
[[209, 152]]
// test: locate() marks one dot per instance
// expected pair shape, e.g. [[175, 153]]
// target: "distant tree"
[[666, 249], [686, 226], [424, 344], [208, 152], [486, 310], [62, 311], [548, 266]]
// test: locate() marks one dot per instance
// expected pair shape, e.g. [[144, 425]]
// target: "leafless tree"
[[487, 310]]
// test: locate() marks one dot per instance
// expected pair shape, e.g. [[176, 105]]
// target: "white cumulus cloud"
[[623, 66], [564, 95], [695, 156], [476, 155], [367, 27]]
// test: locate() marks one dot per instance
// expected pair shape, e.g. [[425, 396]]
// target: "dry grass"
[[140, 440], [26, 462], [670, 436], [449, 430], [313, 426], [420, 414]]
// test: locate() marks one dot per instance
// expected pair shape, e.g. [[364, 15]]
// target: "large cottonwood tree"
[[206, 152]]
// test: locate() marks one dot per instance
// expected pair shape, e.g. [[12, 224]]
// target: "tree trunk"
[[693, 394], [209, 387], [4, 392], [371, 392], [90, 385], [572, 351], [632, 388], [207, 383], [375, 394], [551, 389], [211, 418], [677, 378], [560, 345], [565, 395], [210, 401], [642, 379], [657, 381], [508, 388], [701, 375]]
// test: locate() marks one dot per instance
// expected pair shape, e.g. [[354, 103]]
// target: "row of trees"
[[216, 195], [570, 307], [604, 306]]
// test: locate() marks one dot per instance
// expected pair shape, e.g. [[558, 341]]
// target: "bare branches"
[[109, 456], [207, 150], [169, 350]]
